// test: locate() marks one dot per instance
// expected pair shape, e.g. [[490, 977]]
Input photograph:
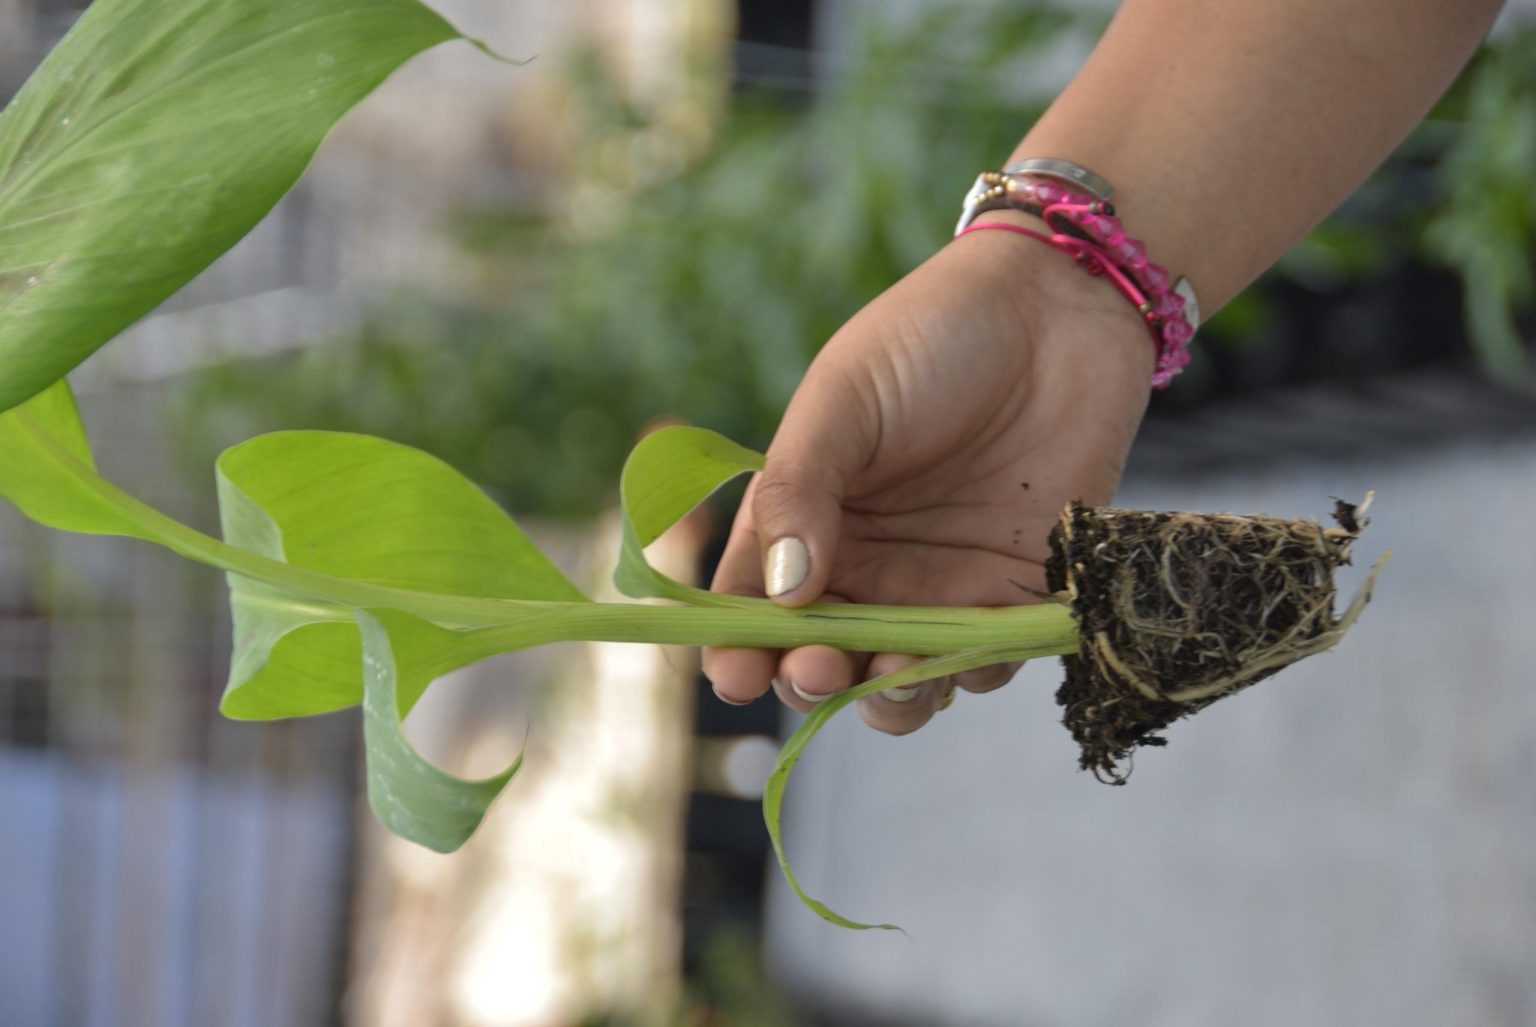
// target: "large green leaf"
[[153, 138], [367, 510], [410, 796], [668, 473]]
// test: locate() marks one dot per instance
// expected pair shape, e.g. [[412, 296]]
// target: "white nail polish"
[[807, 696], [785, 566], [901, 694]]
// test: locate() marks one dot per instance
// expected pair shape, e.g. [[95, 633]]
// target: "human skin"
[[934, 439]]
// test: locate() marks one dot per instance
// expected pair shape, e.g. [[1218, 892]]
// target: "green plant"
[[359, 569]]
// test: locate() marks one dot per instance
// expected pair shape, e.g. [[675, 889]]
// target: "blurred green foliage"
[[702, 295], [1485, 223], [1459, 196], [700, 289]]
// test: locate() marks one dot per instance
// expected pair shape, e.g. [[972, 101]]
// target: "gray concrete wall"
[[1351, 843]]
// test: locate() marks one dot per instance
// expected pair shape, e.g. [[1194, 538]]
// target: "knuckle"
[[774, 495]]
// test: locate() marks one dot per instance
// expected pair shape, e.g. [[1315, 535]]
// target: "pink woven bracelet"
[[1088, 230]]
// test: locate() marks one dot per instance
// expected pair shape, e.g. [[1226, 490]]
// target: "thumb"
[[797, 500]]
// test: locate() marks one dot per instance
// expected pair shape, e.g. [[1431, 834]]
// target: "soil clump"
[[1178, 610]]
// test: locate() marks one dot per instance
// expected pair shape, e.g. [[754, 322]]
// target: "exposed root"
[[1177, 610]]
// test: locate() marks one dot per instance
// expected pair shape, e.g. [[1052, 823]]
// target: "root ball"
[[1177, 610]]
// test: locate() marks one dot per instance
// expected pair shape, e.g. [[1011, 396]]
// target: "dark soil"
[[1177, 610]]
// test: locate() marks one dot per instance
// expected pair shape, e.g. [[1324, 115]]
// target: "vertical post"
[[565, 906]]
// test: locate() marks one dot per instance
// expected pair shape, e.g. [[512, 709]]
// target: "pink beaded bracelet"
[[1087, 229]]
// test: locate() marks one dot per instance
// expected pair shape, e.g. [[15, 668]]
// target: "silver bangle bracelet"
[[1064, 171], [988, 194]]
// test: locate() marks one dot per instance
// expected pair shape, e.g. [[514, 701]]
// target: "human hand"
[[926, 456]]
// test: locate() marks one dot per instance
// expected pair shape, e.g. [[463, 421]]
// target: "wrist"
[[1152, 210], [1074, 204], [1053, 299]]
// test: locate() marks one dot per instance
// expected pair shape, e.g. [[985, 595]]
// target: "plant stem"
[[1037, 630]]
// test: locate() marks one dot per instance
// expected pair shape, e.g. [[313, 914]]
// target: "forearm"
[[1230, 127]]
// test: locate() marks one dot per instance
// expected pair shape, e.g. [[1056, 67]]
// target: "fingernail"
[[785, 566], [901, 694], [809, 697]]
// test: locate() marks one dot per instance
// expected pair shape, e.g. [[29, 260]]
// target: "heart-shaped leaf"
[[153, 138], [668, 473], [367, 510], [409, 795]]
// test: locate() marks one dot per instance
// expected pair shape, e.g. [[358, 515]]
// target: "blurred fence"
[[158, 864]]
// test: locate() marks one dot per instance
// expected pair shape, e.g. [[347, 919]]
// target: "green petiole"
[[706, 619], [1045, 630]]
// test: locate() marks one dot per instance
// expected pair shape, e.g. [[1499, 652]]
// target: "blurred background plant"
[[1482, 219], [649, 282], [697, 277]]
